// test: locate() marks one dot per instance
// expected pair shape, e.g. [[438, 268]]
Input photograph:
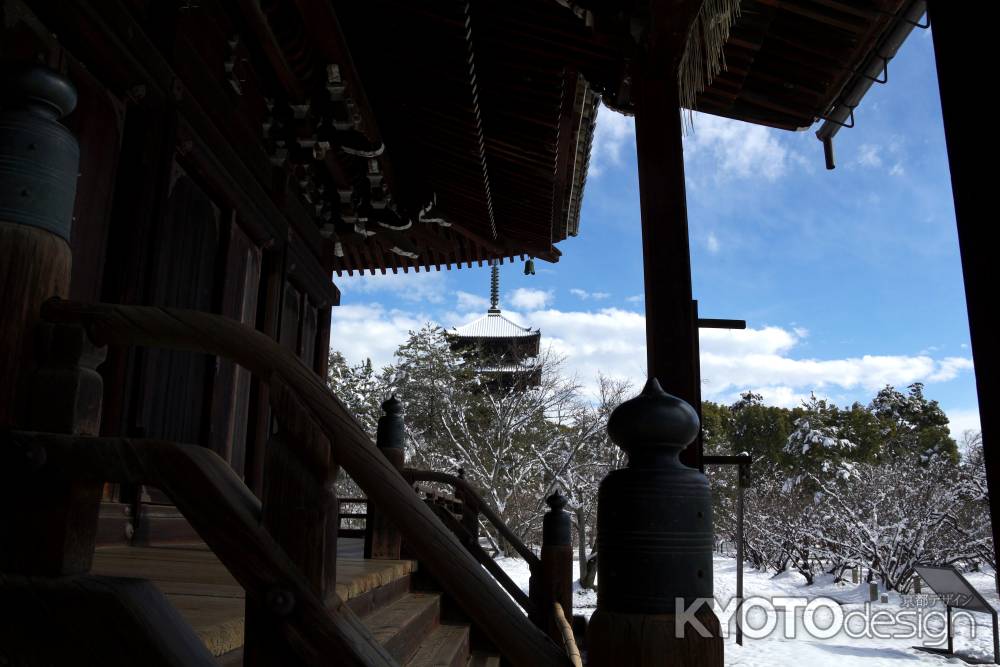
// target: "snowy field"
[[842, 649]]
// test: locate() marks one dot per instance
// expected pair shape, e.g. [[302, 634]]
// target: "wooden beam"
[[713, 323], [957, 37], [665, 244]]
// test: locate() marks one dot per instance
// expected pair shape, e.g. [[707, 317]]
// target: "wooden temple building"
[[504, 353], [181, 181]]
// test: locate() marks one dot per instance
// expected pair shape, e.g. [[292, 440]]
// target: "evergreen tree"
[[912, 426], [817, 444], [758, 429]]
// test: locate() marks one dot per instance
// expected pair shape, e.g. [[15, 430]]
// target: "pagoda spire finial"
[[494, 287]]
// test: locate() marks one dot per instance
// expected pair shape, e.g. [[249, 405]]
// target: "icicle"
[[703, 56]]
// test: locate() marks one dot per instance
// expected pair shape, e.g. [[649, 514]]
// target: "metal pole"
[[951, 644], [996, 641], [740, 485]]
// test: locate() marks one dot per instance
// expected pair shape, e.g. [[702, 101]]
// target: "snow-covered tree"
[[500, 436], [912, 426], [895, 515], [582, 458], [816, 444], [975, 512], [361, 389]]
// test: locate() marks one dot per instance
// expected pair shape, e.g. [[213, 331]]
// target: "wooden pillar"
[[272, 283], [654, 527], [323, 341], [296, 510], [382, 538], [47, 376], [554, 581], [670, 320], [959, 39]]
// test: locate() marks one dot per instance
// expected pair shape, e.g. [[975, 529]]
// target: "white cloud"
[[613, 133], [466, 301], [371, 331], [584, 294], [712, 243], [950, 367], [422, 287], [875, 156], [870, 155], [530, 299], [636, 298], [612, 341], [733, 149], [961, 420]]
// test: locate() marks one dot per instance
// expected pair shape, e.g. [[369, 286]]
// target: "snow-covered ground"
[[842, 649]]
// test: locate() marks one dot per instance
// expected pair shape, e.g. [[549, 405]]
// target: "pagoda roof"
[[494, 325]]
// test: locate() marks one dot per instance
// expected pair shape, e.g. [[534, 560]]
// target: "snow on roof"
[[493, 325], [511, 368]]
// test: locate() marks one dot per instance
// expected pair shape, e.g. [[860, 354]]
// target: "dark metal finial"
[[556, 530], [391, 433], [39, 88], [494, 286], [653, 419], [656, 506], [392, 406], [41, 157], [556, 501]]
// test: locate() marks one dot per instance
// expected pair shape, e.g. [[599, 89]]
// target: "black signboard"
[[956, 592]]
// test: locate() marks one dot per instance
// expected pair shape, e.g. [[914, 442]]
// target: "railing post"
[[470, 511], [654, 527], [554, 580], [47, 376], [382, 538]]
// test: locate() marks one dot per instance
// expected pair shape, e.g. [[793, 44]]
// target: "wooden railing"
[[472, 507], [551, 571], [322, 433], [352, 516], [228, 517]]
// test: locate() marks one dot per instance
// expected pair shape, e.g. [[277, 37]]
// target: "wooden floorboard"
[[211, 600]]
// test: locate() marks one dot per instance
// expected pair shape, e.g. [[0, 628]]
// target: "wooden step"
[[446, 646], [479, 659], [211, 600], [402, 625]]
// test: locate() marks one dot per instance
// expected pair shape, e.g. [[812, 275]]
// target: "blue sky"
[[848, 279]]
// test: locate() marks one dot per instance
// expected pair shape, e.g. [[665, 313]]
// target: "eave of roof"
[[491, 105], [493, 325]]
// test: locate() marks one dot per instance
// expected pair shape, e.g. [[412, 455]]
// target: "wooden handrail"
[[414, 475], [484, 559], [458, 573], [569, 639], [209, 495]]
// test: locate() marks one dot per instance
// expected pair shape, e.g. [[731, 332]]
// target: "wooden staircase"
[[413, 622], [274, 545]]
